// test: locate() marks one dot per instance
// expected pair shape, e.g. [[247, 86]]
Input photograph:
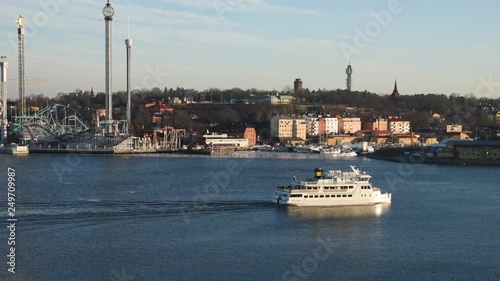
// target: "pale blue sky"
[[429, 46]]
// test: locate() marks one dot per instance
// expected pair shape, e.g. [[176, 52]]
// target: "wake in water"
[[62, 212]]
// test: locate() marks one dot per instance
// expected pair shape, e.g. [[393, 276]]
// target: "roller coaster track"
[[51, 123]]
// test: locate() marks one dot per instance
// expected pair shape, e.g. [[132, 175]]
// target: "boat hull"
[[283, 198]]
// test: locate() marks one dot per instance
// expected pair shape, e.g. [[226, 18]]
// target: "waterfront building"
[[236, 130], [348, 124], [285, 127], [428, 139], [225, 140], [376, 124], [470, 151], [331, 125], [398, 125], [312, 125]]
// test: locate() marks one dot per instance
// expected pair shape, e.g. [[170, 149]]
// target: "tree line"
[[217, 106]]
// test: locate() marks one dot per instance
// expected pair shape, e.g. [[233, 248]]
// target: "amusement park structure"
[[61, 127]]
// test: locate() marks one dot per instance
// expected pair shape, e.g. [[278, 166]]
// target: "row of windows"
[[366, 187], [321, 196], [327, 187]]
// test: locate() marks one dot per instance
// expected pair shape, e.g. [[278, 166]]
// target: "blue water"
[[200, 218]]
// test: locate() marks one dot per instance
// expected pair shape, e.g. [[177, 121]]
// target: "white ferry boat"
[[332, 188]]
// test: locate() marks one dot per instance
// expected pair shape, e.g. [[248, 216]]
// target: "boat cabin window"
[[296, 195], [344, 195], [349, 195], [315, 196], [351, 187], [322, 196], [339, 196]]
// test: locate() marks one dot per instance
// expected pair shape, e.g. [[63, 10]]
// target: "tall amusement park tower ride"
[[3, 105], [128, 46], [108, 13]]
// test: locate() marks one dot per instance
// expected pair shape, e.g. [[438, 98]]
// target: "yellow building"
[[285, 127], [337, 140], [349, 125], [377, 124]]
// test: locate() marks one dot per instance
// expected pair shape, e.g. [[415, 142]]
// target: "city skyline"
[[429, 47]]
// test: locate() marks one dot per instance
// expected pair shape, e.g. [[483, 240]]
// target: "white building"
[[312, 125], [331, 125], [225, 140], [398, 125]]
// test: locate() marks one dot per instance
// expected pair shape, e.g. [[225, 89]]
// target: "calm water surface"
[[199, 218]]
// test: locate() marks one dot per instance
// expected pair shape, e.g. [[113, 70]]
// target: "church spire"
[[395, 94]]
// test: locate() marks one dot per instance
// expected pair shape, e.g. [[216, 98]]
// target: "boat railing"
[[284, 188]]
